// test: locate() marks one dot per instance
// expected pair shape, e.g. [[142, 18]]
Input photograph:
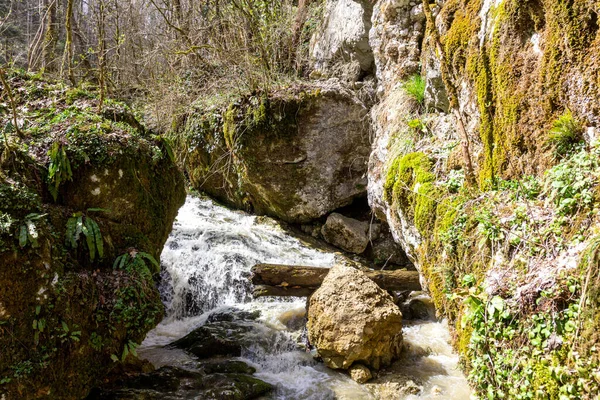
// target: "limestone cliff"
[[512, 259]]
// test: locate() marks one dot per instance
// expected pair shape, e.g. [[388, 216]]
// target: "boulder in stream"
[[296, 154], [351, 319], [346, 233]]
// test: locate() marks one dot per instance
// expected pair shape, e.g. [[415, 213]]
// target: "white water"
[[207, 261]]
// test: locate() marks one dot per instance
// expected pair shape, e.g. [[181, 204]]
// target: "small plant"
[[566, 134], [68, 335], [79, 224], [417, 126], [456, 180], [489, 227], [129, 348], [570, 183], [39, 324], [415, 88], [28, 233], [135, 261], [59, 170]]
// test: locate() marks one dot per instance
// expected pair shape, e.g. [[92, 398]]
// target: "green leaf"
[[65, 326], [114, 358], [89, 237], [23, 236], [98, 243], [152, 260]]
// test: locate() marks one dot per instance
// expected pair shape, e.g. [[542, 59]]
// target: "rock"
[[395, 38], [226, 367], [221, 339], [350, 319], [296, 154], [359, 373], [233, 387], [176, 383], [294, 319], [436, 97], [418, 306], [346, 233], [228, 338], [395, 390], [343, 39], [124, 181], [385, 251], [233, 314]]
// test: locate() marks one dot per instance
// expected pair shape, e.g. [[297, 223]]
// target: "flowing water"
[[207, 261]]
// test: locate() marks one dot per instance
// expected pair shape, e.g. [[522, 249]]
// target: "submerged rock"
[[346, 233], [351, 319], [220, 339]]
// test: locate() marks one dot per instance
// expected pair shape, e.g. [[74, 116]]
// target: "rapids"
[[206, 262]]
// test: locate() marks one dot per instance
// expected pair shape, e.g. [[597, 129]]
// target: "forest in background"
[[166, 52]]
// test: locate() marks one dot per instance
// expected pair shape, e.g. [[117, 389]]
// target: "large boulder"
[[295, 154], [65, 311], [346, 233], [344, 38], [351, 319]]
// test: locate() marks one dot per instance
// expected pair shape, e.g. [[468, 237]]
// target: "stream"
[[206, 264]]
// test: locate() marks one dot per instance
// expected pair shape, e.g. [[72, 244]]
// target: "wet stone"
[[226, 367], [213, 340]]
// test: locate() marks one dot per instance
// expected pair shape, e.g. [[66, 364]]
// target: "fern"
[[28, 233], [566, 134], [137, 260], [79, 224], [59, 170], [166, 146]]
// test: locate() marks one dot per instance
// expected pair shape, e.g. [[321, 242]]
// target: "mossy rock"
[[296, 154], [64, 315]]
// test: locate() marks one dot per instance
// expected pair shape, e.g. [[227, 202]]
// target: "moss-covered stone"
[[64, 316], [295, 153]]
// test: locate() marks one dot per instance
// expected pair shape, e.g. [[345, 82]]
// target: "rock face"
[[346, 233], [395, 37], [296, 155], [350, 319], [343, 39], [64, 308]]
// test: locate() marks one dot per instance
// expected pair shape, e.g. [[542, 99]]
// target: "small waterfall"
[[206, 264], [208, 257]]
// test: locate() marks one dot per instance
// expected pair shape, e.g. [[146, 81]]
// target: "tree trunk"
[[288, 280], [50, 37], [68, 54]]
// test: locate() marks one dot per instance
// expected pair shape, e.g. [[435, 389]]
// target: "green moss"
[[545, 386], [411, 183]]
